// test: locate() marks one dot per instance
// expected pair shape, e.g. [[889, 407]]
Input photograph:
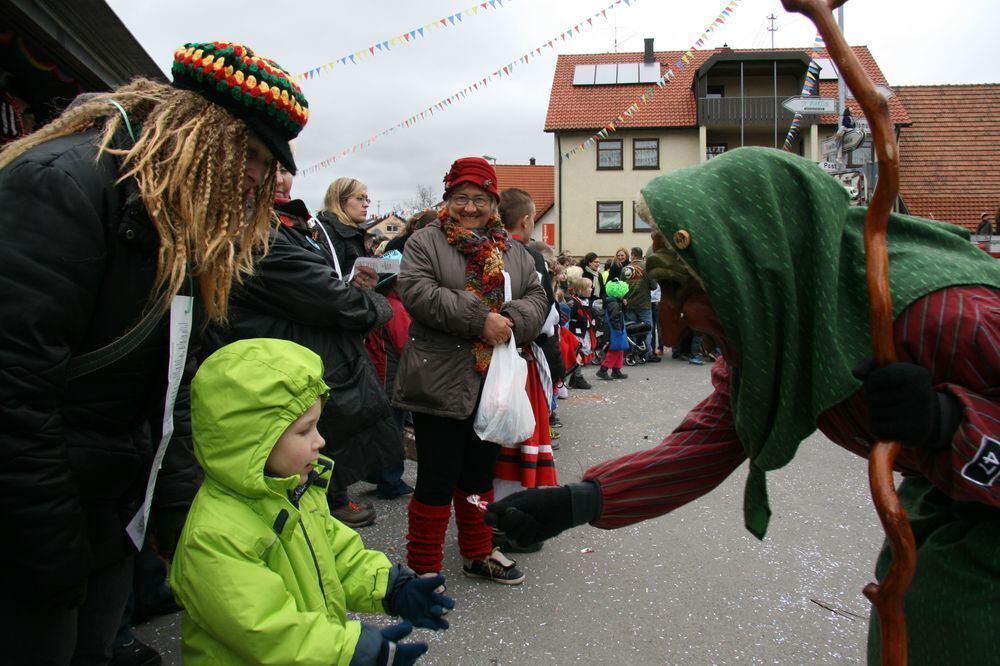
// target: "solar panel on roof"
[[583, 75], [606, 74], [649, 72], [628, 72]]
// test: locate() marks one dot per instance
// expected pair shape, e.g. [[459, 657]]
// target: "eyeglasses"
[[462, 201], [363, 199]]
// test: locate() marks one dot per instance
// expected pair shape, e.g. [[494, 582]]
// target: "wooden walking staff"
[[887, 597]]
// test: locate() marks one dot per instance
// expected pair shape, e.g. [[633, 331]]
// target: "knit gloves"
[[903, 405], [420, 600], [534, 515]]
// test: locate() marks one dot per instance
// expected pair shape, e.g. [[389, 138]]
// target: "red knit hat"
[[475, 171]]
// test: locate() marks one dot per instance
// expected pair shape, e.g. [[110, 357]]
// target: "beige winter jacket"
[[437, 372]]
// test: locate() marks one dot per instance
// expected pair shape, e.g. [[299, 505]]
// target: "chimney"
[[531, 161], [648, 56]]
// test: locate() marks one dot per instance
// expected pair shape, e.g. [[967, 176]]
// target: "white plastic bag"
[[504, 415]]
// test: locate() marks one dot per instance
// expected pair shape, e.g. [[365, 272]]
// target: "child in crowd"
[[558, 273], [264, 573], [614, 318], [581, 326], [559, 388]]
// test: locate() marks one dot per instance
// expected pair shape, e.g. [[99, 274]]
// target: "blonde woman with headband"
[[110, 211]]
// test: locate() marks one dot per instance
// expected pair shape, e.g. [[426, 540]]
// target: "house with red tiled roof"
[[538, 180], [949, 157], [723, 99]]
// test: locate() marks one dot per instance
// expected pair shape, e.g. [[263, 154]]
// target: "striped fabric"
[[529, 464], [954, 332]]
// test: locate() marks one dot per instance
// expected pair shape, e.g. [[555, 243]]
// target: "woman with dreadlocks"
[[451, 282], [119, 205]]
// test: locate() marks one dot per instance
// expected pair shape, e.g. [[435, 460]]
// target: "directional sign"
[[852, 139], [829, 145], [810, 104]]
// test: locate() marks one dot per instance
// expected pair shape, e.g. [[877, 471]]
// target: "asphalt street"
[[692, 587]]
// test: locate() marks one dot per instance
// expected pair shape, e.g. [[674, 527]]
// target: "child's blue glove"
[[395, 653], [382, 647], [420, 600]]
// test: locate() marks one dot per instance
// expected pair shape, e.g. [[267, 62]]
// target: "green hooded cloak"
[[781, 256]]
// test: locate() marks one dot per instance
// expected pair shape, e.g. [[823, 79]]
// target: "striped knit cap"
[[256, 90]]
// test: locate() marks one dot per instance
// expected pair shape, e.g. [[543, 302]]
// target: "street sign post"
[[829, 145], [810, 104]]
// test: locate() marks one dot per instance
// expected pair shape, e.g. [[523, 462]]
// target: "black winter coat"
[[79, 259], [548, 343], [295, 295], [348, 242]]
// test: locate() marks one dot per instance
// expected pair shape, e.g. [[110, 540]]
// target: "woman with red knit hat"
[[452, 284]]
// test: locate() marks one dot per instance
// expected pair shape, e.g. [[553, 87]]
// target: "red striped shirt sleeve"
[[955, 333], [691, 461]]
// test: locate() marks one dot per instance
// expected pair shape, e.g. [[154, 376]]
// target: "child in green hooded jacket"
[[263, 571]]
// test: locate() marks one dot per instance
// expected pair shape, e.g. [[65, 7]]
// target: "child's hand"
[[395, 653], [420, 600]]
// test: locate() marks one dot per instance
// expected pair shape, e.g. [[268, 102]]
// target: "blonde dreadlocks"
[[188, 163]]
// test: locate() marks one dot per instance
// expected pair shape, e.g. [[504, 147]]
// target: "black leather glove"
[[903, 405], [419, 599], [531, 516], [166, 526], [396, 653]]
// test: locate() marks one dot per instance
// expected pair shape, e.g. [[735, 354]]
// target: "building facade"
[[722, 100]]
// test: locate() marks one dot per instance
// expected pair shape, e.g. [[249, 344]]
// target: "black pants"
[[63, 636], [450, 456]]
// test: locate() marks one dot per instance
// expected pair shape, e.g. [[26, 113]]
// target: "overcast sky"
[[915, 42]]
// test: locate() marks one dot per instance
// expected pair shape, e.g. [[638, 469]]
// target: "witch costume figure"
[[760, 250]]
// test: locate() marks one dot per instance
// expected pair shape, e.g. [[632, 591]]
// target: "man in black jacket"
[[103, 228]]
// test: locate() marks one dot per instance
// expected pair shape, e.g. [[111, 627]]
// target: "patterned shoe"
[[497, 568]]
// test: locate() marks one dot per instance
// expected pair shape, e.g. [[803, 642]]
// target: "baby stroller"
[[637, 351]]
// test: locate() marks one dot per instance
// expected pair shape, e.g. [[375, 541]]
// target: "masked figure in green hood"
[[263, 571], [760, 250]]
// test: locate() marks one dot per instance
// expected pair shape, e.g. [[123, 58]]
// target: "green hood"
[[781, 256], [243, 397]]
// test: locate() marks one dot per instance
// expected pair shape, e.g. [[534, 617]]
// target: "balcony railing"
[[716, 111]]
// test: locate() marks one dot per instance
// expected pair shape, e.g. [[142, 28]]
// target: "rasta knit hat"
[[475, 171], [256, 90]]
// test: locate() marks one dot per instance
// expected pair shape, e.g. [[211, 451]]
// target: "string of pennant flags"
[[809, 87], [406, 38], [480, 84], [686, 58]]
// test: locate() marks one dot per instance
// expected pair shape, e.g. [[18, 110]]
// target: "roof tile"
[[950, 155], [538, 180]]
